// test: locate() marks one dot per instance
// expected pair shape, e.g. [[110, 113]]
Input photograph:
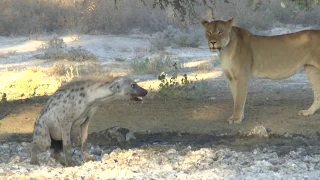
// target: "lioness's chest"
[[226, 61], [227, 67]]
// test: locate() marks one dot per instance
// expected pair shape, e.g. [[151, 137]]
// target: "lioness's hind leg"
[[313, 75]]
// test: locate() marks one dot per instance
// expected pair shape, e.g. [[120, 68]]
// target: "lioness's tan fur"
[[244, 55]]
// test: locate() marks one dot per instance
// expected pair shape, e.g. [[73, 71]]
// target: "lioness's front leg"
[[238, 88], [233, 89]]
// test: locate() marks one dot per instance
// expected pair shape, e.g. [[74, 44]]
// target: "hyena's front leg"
[[84, 135], [67, 146], [34, 151], [239, 88]]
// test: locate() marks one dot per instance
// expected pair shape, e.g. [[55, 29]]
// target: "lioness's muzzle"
[[213, 46], [215, 49]]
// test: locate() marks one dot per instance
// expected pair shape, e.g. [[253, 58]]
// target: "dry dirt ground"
[[272, 104]]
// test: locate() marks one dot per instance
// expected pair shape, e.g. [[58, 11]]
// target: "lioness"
[[244, 55]]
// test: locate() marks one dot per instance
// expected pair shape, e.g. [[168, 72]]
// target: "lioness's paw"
[[305, 113], [234, 121]]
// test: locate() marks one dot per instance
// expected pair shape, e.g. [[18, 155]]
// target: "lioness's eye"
[[220, 32], [209, 32]]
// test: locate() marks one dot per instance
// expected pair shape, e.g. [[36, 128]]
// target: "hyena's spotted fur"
[[72, 106]]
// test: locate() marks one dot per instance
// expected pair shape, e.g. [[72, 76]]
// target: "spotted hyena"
[[72, 106]]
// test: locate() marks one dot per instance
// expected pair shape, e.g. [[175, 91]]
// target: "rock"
[[171, 151], [14, 160], [112, 136], [287, 135], [259, 131], [96, 151]]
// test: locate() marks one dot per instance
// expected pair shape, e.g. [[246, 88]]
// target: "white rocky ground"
[[163, 162]]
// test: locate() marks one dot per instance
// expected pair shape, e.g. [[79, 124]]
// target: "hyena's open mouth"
[[136, 98], [139, 95]]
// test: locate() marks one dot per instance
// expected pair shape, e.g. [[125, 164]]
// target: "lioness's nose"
[[213, 43]]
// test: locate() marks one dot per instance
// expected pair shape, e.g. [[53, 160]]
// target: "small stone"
[[287, 135], [171, 151], [259, 131], [14, 160]]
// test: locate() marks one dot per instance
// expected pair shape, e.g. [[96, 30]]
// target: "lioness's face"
[[217, 33]]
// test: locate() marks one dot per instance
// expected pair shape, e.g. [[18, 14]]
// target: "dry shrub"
[[176, 38], [56, 49], [268, 14], [100, 16], [90, 16], [156, 64]]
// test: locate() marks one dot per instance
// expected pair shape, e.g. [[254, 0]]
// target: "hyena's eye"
[[133, 86]]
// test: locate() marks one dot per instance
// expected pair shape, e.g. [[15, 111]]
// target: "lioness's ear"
[[231, 21], [205, 23], [115, 87]]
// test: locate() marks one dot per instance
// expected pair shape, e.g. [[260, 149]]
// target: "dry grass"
[[35, 81], [205, 66], [156, 64], [27, 83]]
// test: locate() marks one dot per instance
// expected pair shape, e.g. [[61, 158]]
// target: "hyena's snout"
[[138, 92]]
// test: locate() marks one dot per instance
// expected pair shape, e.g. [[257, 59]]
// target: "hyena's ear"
[[115, 87], [205, 23]]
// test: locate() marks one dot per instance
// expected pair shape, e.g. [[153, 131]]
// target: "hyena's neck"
[[99, 91]]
